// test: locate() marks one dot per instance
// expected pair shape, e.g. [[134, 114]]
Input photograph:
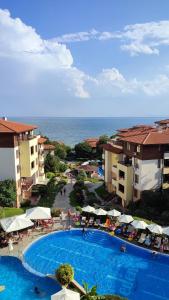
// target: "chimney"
[[4, 118]]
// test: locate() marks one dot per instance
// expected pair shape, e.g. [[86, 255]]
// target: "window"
[[36, 148], [121, 188], [32, 150], [36, 161], [136, 178], [32, 165], [135, 193], [18, 168], [136, 165], [166, 163], [138, 148], [17, 153], [159, 164], [121, 175], [128, 146]]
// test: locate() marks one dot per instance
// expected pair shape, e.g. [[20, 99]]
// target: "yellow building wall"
[[26, 158], [111, 160], [127, 183]]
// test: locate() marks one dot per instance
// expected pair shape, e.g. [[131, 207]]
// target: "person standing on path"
[[64, 191], [61, 192]]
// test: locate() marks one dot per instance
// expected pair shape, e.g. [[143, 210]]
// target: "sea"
[[72, 130]]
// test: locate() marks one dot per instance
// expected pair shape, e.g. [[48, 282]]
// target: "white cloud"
[[145, 38], [77, 36], [32, 68], [21, 44]]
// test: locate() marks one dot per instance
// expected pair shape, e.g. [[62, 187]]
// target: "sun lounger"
[[142, 238]]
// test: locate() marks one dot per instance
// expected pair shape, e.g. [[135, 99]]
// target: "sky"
[[84, 58]]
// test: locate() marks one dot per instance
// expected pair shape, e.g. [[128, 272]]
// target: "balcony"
[[26, 184], [126, 163], [26, 137]]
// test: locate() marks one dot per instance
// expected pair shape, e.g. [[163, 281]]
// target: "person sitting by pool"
[[123, 248]]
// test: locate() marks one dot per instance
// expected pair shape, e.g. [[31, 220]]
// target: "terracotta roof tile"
[[49, 147], [14, 127], [113, 149], [92, 142], [41, 140]]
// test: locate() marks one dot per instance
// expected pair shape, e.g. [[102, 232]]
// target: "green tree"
[[81, 175], [65, 274], [60, 151], [51, 163], [90, 293], [7, 192], [103, 139], [83, 150]]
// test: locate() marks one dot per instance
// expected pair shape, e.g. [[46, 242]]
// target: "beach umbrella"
[[100, 212], [15, 223], [114, 213], [154, 228], [125, 219], [88, 209], [38, 213], [166, 230], [139, 224], [66, 294]]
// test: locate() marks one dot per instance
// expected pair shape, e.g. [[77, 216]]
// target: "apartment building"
[[19, 157], [136, 160]]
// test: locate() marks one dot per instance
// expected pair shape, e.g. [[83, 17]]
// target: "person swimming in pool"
[[39, 292]]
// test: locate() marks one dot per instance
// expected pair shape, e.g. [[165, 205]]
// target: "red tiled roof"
[[113, 149], [92, 142], [88, 168], [14, 127], [41, 140], [149, 138], [163, 122], [49, 147]]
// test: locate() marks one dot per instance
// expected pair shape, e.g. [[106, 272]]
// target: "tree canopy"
[[83, 150], [65, 274], [7, 192]]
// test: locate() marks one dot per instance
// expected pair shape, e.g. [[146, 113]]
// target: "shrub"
[[78, 208], [50, 175], [82, 175], [7, 192], [55, 212], [65, 274], [26, 203]]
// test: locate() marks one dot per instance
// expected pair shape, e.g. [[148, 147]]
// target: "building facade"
[[19, 157], [137, 160]]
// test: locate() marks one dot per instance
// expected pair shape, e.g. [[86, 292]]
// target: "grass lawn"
[[10, 212]]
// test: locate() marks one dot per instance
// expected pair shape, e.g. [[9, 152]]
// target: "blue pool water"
[[96, 259], [19, 283]]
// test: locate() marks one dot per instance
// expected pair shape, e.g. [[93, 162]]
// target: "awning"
[[15, 223], [88, 209], [125, 219], [114, 213], [66, 294], [38, 213]]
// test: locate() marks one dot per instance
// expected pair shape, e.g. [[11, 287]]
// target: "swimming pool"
[[96, 259], [19, 283]]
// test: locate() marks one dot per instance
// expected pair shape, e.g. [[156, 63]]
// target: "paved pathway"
[[62, 201]]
